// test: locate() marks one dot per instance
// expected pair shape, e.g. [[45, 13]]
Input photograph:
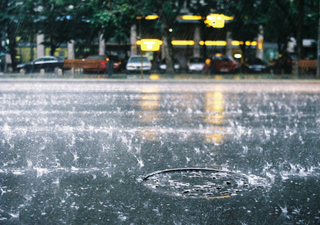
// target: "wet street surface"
[[98, 152]]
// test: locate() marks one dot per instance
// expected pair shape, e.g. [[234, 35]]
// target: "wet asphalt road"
[[101, 152]]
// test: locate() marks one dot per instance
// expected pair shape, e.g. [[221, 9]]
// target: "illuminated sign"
[[182, 42], [189, 17], [213, 43], [216, 20], [151, 17], [150, 44]]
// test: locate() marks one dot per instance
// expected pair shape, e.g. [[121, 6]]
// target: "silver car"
[[195, 65], [136, 62]]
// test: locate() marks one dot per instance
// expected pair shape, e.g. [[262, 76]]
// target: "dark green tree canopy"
[[64, 20]]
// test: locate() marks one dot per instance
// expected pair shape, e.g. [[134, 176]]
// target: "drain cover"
[[198, 183]]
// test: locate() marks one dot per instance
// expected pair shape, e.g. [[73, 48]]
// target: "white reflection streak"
[[75, 156], [236, 87], [42, 171], [14, 215]]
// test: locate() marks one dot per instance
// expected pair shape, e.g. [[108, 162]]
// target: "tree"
[[8, 25], [167, 10], [26, 15], [318, 48], [62, 21], [113, 18], [65, 20], [286, 19]]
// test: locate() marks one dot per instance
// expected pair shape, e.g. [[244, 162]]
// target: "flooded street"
[[80, 152]]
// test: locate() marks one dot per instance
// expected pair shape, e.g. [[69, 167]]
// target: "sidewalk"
[[155, 76]]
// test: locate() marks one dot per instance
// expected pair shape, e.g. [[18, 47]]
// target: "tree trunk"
[[52, 46], [31, 38], [299, 30], [168, 49], [11, 29], [167, 38], [318, 66]]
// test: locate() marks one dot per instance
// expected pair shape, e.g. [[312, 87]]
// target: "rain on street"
[[173, 152]]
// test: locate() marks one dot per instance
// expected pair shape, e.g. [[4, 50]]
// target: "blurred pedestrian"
[[213, 65], [207, 66], [110, 67]]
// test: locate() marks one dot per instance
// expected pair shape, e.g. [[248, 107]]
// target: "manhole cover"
[[198, 183]]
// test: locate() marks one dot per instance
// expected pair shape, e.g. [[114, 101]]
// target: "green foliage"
[[83, 21]]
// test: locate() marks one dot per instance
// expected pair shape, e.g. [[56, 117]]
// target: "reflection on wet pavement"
[[74, 152]]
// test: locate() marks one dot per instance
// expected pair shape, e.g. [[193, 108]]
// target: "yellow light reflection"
[[216, 135], [217, 197], [214, 102], [154, 77], [219, 77], [149, 133], [214, 115], [150, 103]]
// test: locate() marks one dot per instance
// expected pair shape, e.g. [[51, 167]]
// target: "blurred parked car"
[[95, 63], [163, 66], [226, 64], [283, 64], [135, 63], [117, 63], [48, 63], [195, 65], [254, 65], [221, 64]]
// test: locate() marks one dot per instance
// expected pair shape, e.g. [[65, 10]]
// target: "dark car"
[[221, 64], [48, 63], [118, 66], [254, 65], [163, 66], [284, 64]]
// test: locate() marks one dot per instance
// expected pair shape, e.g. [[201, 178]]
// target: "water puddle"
[[201, 183]]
